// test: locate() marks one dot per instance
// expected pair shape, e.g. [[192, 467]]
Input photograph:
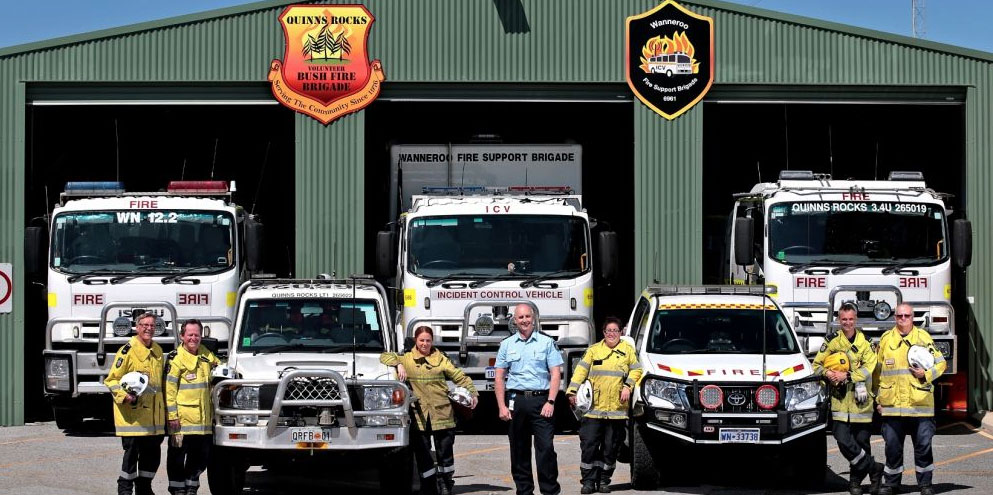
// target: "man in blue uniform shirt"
[[530, 363]]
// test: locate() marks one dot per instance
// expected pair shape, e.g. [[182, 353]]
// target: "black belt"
[[530, 393]]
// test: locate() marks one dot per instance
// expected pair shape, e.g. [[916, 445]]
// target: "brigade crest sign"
[[325, 72], [669, 58]]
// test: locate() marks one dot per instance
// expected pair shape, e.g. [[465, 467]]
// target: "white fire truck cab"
[[114, 255], [723, 370], [463, 258], [821, 242], [303, 384]]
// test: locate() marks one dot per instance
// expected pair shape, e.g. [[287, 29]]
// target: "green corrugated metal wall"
[[546, 41]]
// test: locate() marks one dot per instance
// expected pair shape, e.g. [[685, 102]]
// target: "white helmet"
[[134, 383], [920, 357], [584, 398], [461, 396]]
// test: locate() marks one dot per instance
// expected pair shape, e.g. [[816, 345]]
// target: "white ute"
[[723, 370], [303, 382]]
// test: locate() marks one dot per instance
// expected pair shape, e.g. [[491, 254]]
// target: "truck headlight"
[[665, 394], [882, 310], [945, 347], [245, 398], [380, 397], [122, 326], [58, 373], [804, 395]]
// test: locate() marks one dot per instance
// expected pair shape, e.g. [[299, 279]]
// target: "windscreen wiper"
[[540, 278], [95, 273], [480, 283], [809, 264], [900, 266], [139, 272], [178, 276], [280, 348], [848, 267], [453, 276]]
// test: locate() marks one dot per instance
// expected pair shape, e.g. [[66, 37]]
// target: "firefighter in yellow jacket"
[[851, 403], [905, 398], [139, 411], [613, 370], [428, 370], [189, 408]]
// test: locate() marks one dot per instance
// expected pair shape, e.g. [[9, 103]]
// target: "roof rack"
[[673, 290]]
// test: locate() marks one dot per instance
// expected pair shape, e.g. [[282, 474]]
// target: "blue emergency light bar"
[[103, 187], [455, 190]]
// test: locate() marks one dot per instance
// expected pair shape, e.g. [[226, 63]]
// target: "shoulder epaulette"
[[126, 348]]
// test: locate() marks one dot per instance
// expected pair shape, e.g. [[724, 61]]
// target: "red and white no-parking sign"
[[6, 287]]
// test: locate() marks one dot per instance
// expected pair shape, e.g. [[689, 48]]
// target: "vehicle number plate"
[[298, 435], [491, 372], [739, 435]]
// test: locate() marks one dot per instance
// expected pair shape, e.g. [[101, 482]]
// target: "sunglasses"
[[904, 316]]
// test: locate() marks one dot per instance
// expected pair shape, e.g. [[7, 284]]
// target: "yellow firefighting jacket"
[[146, 416], [187, 390], [899, 392], [862, 361], [428, 377], [609, 370]]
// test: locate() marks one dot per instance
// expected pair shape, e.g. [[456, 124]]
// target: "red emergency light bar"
[[198, 187], [541, 189]]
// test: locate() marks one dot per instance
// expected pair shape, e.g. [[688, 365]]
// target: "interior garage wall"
[[518, 41]]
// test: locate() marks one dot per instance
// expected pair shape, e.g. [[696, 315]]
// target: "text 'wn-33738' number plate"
[[738, 435]]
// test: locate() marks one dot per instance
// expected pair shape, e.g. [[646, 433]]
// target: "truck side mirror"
[[744, 239], [35, 250], [961, 243], [254, 233], [386, 256], [607, 245]]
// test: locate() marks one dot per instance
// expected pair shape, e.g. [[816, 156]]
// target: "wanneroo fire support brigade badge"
[[669, 58], [325, 72]]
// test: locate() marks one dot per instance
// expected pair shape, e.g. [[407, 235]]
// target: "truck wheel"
[[810, 459], [396, 472], [644, 470], [226, 471], [67, 419]]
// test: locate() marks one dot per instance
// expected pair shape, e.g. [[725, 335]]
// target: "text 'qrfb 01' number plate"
[[310, 435], [739, 435]]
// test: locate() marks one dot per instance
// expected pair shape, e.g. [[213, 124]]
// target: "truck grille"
[[305, 388], [739, 399]]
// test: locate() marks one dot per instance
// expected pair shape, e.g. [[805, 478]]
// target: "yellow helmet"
[[837, 362]]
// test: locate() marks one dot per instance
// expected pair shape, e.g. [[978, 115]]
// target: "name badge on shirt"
[[890, 361], [191, 376]]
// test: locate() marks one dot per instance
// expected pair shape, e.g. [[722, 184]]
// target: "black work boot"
[[875, 477], [927, 490], [854, 487], [604, 486], [143, 486], [886, 490], [588, 488]]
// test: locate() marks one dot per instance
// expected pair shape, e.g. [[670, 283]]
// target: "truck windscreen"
[[309, 325], [159, 241], [857, 232], [498, 245], [719, 331]]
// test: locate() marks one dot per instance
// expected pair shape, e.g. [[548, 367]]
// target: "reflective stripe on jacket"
[[609, 371], [187, 390], [899, 392], [428, 377], [862, 362], [146, 416]]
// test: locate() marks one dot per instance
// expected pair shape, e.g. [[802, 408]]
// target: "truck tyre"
[[396, 472], [810, 459], [644, 470], [67, 419], [226, 471]]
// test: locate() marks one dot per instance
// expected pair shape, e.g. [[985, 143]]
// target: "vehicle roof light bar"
[[908, 175], [672, 290], [540, 189], [77, 188], [797, 175], [453, 190], [202, 187]]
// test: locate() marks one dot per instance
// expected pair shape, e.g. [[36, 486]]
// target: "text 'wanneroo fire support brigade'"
[[669, 58], [325, 72]]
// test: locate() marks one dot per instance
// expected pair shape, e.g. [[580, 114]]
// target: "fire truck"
[[464, 257], [820, 242], [113, 255]]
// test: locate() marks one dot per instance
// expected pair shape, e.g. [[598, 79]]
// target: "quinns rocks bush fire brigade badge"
[[669, 58], [325, 71]]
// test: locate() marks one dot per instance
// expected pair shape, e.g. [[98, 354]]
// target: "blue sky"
[[964, 23]]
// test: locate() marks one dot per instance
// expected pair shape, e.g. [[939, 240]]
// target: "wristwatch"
[[551, 401]]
